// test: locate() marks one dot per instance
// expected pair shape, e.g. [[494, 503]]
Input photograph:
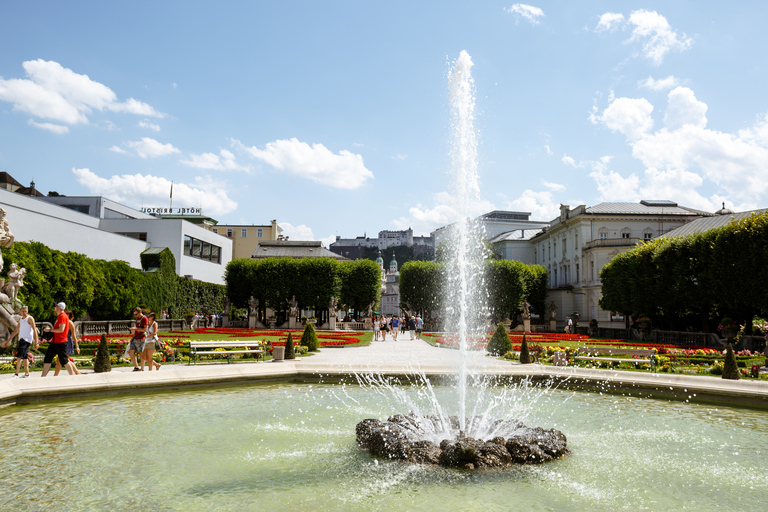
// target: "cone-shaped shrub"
[[500, 343], [309, 338], [102, 363], [289, 352], [731, 369], [525, 356]]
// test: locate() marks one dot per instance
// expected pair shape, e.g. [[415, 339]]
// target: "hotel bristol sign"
[[172, 211]]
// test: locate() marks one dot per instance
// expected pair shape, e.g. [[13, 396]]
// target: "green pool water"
[[291, 447]]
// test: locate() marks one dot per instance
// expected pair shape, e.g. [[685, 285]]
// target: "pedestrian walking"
[[27, 336], [58, 346]]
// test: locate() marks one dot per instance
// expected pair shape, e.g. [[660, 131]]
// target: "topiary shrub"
[[525, 355], [309, 338], [290, 353], [499, 343], [102, 363], [730, 369]]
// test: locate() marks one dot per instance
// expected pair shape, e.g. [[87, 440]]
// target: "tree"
[[360, 284], [290, 353], [309, 338], [102, 363], [420, 286], [730, 369], [499, 343], [525, 355]]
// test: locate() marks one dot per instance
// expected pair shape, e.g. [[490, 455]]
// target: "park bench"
[[632, 355], [208, 348]]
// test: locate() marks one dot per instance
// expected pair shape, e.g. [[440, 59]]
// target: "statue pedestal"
[[368, 323], [553, 325], [291, 322], [251, 322], [332, 323], [225, 321], [527, 325]]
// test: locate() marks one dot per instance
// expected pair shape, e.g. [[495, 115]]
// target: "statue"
[[332, 307], [227, 306], [369, 310], [15, 281], [253, 306], [526, 310], [552, 311], [294, 307], [6, 237]]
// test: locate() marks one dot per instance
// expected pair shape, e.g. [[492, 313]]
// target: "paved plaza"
[[388, 357]]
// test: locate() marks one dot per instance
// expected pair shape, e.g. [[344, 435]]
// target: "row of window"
[[200, 249], [602, 235], [243, 232]]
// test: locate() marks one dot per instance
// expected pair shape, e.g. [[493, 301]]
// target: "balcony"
[[612, 242]]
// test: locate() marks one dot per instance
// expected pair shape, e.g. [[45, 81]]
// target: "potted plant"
[[644, 323], [728, 328]]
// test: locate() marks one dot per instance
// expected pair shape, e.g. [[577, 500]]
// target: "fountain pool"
[[292, 447]]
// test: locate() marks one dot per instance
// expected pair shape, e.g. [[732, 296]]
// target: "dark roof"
[[669, 208], [7, 178], [29, 191], [293, 249], [707, 223]]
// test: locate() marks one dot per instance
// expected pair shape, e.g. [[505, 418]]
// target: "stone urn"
[[729, 332]]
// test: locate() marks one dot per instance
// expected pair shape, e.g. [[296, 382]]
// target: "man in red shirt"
[[139, 333], [58, 346]]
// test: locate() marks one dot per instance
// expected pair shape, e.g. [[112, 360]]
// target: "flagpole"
[[171, 206]]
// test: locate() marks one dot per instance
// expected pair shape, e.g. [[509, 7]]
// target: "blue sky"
[[333, 117]]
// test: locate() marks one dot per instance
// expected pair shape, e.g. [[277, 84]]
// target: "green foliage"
[[499, 344], [525, 355], [720, 272], [731, 369], [420, 283], [102, 363], [103, 290], [360, 284], [309, 338], [290, 353]]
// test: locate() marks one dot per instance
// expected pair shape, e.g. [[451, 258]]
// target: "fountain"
[[484, 440]]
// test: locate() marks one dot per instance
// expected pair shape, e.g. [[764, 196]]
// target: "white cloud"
[[528, 12], [630, 116], [55, 128], [650, 29], [224, 161], [399, 157], [685, 155], [683, 108], [656, 35], [344, 170], [567, 160], [661, 84], [610, 21], [554, 186], [150, 148], [549, 151], [54, 92], [149, 126], [118, 149], [138, 189], [424, 219], [614, 187], [304, 232], [541, 205]]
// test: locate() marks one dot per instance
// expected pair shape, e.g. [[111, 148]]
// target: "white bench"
[[208, 348]]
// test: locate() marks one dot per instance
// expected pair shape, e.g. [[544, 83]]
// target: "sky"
[[334, 117]]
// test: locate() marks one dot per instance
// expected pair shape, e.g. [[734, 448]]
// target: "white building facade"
[[582, 240], [104, 229]]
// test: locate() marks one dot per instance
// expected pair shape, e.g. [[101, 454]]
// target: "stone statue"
[[526, 310], [6, 237], [552, 311], [294, 307], [332, 307], [15, 281], [253, 306], [227, 306], [369, 310]]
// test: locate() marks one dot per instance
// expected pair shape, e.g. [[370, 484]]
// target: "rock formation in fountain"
[[399, 439]]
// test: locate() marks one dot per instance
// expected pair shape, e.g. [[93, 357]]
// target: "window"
[[215, 230], [112, 214], [647, 234], [140, 236], [243, 233], [603, 235], [591, 270], [203, 250], [564, 245], [575, 241], [554, 248], [229, 232], [259, 233], [625, 235], [577, 273]]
